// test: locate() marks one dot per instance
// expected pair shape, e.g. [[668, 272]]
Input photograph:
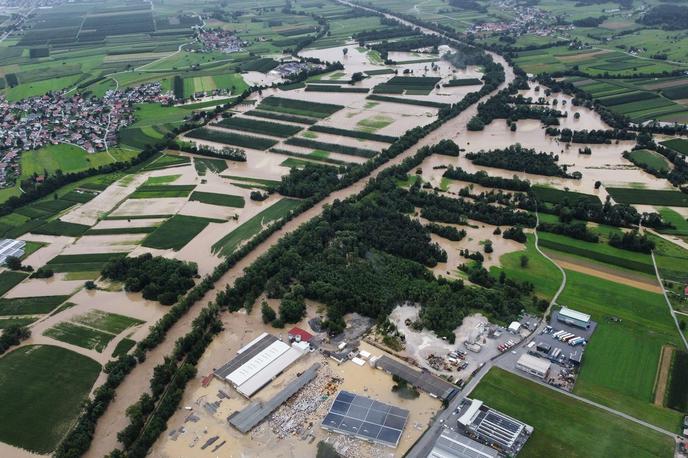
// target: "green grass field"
[[649, 197], [544, 275], [620, 362], [81, 336], [212, 198], [30, 305], [679, 222], [109, 322], [9, 279], [202, 165], [16, 321], [564, 426], [68, 158], [82, 262], [651, 159], [123, 347], [601, 252], [42, 407], [162, 191], [677, 144], [227, 244], [177, 231]]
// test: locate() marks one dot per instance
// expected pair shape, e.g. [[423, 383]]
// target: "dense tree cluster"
[[590, 21], [482, 178], [515, 233], [620, 215], [520, 159], [159, 279], [500, 106], [13, 335], [367, 256], [468, 5], [578, 231], [308, 181], [632, 241], [448, 232], [670, 17], [590, 136], [444, 209]]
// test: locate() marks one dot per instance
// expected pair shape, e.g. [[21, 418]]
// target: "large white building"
[[533, 365], [573, 317], [258, 363], [11, 247]]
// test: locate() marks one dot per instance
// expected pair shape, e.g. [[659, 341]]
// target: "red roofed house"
[[299, 335]]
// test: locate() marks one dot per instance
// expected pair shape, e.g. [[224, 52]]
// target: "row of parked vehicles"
[[505, 346]]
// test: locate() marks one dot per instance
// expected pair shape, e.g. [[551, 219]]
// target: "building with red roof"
[[299, 335]]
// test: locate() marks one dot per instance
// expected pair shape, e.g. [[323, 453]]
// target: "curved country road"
[[114, 419]]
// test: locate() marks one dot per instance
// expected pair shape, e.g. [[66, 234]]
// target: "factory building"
[[533, 365], [493, 428], [573, 318], [259, 362], [455, 445], [11, 247]]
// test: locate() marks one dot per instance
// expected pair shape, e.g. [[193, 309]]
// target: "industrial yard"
[[286, 413]]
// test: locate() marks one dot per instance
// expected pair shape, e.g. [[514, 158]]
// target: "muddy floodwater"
[[193, 425]]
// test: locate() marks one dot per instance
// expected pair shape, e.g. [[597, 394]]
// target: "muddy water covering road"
[[114, 419]]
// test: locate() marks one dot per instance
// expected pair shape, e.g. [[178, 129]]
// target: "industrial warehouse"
[[259, 362], [256, 412], [454, 445], [11, 247], [492, 427], [423, 380]]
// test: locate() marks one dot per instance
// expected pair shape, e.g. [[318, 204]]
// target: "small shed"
[[514, 327]]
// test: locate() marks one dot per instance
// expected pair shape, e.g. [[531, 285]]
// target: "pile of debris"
[[295, 417]]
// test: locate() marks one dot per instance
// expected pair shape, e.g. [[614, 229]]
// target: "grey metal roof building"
[[455, 445], [245, 354], [11, 247], [494, 428], [256, 412], [366, 419], [425, 381]]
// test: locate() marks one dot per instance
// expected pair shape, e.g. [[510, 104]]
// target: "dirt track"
[[663, 374], [639, 281]]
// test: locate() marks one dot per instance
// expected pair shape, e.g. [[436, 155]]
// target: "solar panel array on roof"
[[366, 419], [497, 428]]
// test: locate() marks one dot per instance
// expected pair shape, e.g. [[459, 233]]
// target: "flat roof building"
[[493, 428], [455, 445], [573, 317], [11, 247], [256, 412], [533, 365], [422, 380]]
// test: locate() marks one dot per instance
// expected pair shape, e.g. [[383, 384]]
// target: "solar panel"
[[366, 418], [505, 423]]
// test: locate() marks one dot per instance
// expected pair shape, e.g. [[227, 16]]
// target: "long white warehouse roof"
[[254, 365], [267, 373], [574, 314]]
